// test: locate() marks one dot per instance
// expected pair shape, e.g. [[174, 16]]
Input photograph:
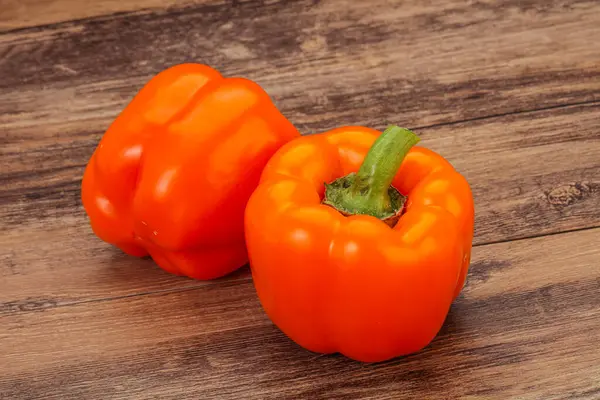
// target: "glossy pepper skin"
[[172, 174], [352, 284]]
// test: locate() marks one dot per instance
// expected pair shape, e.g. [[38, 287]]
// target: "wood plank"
[[325, 63], [531, 174], [49, 134], [526, 326], [19, 14]]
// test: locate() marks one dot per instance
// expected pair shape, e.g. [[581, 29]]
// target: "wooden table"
[[508, 91]]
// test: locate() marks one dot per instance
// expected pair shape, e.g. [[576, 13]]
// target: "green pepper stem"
[[381, 164], [369, 191]]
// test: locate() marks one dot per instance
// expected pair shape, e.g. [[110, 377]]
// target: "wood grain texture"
[[19, 14], [521, 168], [508, 91], [325, 63], [526, 326]]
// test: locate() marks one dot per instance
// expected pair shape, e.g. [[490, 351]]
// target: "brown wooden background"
[[507, 90]]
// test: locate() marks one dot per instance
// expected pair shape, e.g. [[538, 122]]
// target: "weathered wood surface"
[[325, 62], [19, 14], [526, 325], [508, 91], [558, 192]]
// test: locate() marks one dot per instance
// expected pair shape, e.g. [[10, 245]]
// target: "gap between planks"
[[246, 277], [509, 113]]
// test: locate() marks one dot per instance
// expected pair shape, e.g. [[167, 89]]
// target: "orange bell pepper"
[[364, 263], [173, 173]]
